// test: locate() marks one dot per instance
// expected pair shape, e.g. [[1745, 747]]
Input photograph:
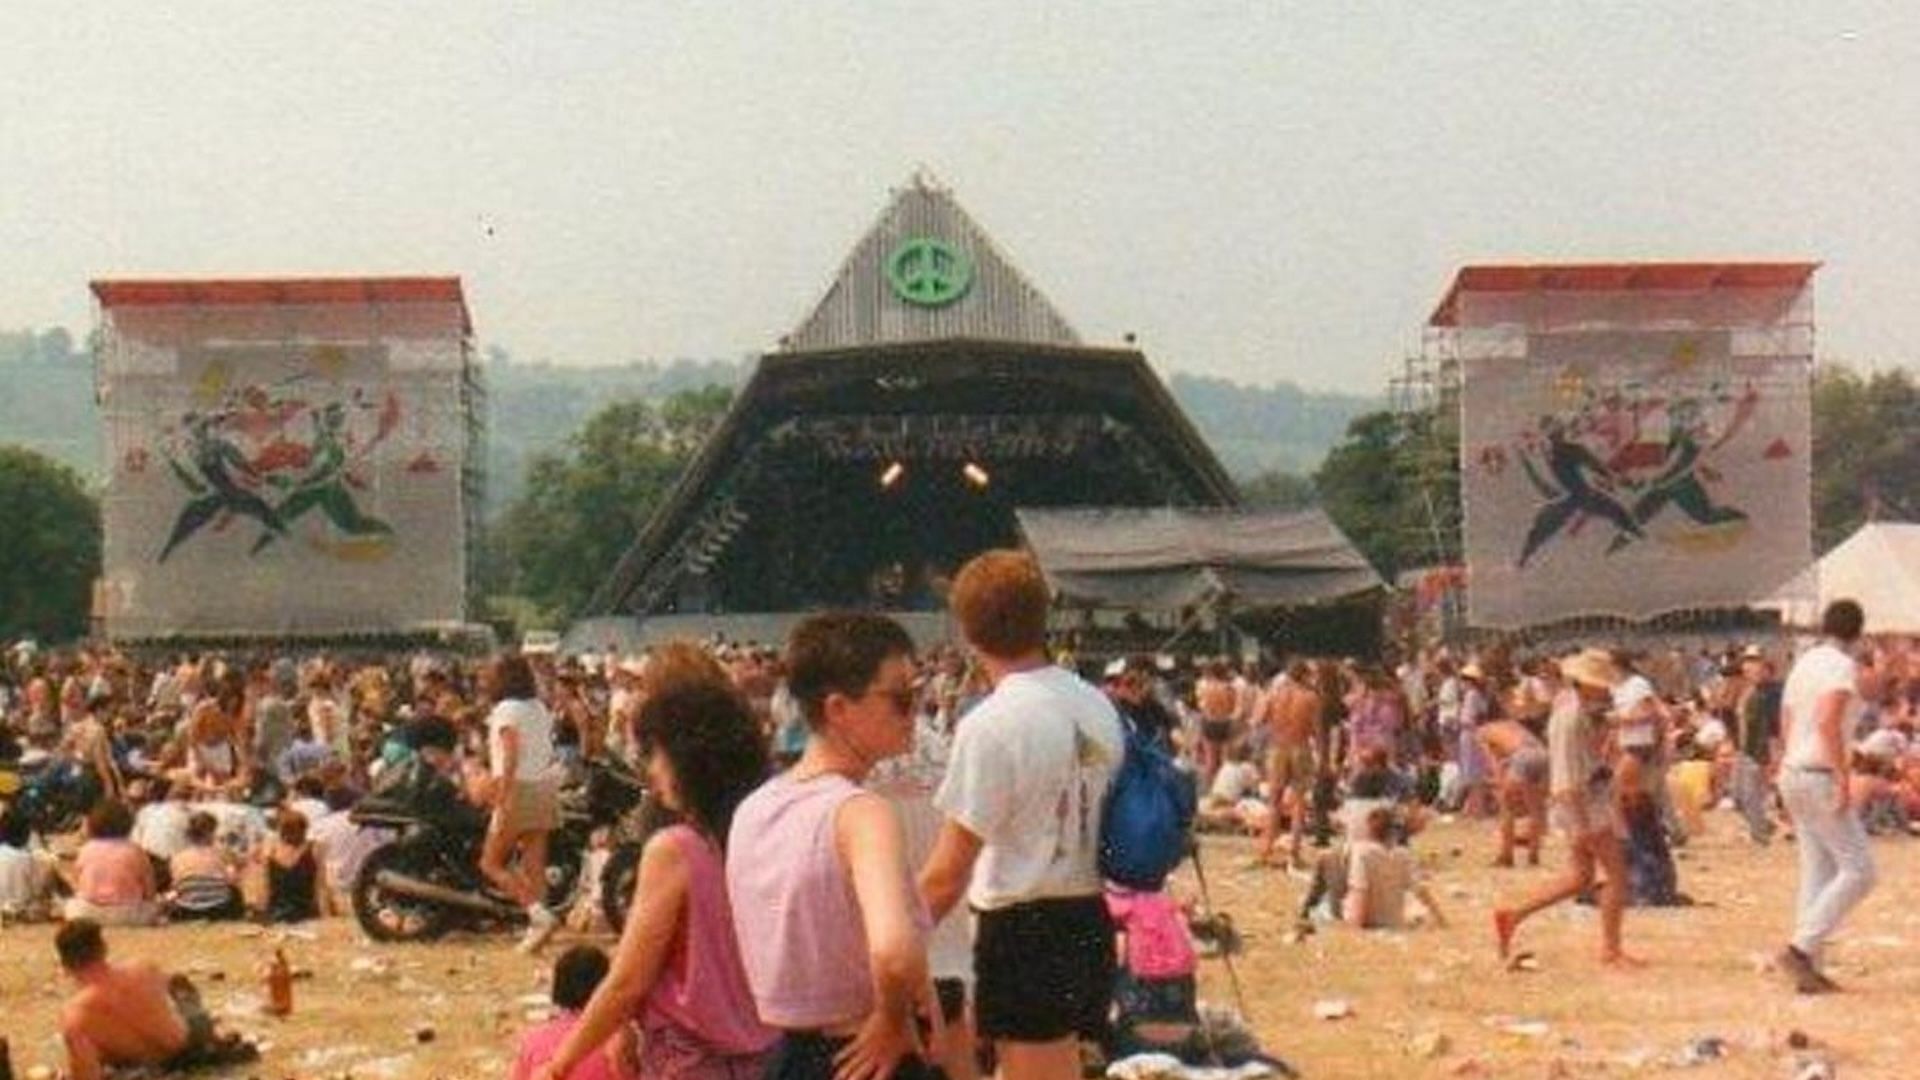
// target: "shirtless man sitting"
[[1519, 764], [132, 1014], [1292, 714]]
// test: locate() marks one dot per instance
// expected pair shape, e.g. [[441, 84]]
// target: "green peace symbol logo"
[[928, 272]]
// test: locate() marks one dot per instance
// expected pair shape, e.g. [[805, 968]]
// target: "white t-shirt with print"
[[1029, 769], [535, 727], [1820, 670]]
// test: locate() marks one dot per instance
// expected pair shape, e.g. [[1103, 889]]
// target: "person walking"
[[1584, 806], [523, 793], [1819, 710]]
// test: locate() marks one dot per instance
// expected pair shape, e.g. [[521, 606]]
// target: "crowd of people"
[[884, 862]]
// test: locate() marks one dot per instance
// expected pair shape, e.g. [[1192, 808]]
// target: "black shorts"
[[1216, 731], [808, 1055], [1045, 970]]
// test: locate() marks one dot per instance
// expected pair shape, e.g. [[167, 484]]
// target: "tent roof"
[[1879, 566], [1167, 558]]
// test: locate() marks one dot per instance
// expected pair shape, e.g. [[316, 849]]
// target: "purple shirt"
[[802, 940]]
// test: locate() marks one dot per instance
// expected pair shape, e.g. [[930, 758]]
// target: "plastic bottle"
[[279, 985]]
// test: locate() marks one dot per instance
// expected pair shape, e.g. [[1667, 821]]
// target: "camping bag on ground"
[[1149, 810]]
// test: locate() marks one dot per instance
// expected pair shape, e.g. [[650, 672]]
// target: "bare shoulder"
[[865, 818], [663, 852], [664, 870]]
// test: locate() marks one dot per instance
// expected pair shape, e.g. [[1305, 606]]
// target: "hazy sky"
[[1265, 191]]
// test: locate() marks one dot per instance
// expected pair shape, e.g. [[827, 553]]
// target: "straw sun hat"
[[1591, 667]]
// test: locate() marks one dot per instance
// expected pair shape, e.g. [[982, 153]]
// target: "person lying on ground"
[[133, 1015]]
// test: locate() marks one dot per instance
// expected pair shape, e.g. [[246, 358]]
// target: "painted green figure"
[[1679, 481], [325, 485], [216, 459], [1581, 484]]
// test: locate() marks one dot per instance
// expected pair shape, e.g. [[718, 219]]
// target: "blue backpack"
[[1148, 811]]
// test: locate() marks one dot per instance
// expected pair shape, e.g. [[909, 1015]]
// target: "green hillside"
[[46, 404]]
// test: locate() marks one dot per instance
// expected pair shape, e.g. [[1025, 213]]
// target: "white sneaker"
[[541, 924]]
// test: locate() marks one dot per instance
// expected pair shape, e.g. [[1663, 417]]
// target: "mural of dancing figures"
[[287, 457], [1631, 473], [1634, 437]]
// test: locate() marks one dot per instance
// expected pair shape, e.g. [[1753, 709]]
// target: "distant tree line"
[[51, 346]]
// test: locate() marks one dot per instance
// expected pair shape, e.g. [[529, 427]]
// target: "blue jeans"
[[1836, 866], [1750, 797]]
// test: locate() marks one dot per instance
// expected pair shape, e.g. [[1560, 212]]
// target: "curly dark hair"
[[714, 743]]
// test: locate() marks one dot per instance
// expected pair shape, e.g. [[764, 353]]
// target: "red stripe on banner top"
[[282, 291], [1618, 277]]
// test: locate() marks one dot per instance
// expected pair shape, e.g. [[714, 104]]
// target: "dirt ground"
[[1428, 1002]]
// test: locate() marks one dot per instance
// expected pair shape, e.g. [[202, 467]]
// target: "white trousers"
[[1836, 866]]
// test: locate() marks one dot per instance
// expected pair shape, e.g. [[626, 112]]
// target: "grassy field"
[[1427, 1002]]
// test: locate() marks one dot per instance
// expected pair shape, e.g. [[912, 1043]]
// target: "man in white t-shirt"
[[1022, 797], [1818, 710]]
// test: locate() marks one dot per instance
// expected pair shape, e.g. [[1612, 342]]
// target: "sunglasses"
[[902, 697]]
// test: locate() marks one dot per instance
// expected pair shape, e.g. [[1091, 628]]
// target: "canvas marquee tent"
[[1879, 566], [1165, 559]]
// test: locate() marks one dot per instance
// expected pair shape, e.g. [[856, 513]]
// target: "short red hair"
[[1001, 601]]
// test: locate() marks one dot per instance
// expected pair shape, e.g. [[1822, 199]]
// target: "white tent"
[[1879, 566]]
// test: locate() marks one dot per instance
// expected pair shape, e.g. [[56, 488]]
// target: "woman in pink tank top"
[[677, 969], [829, 922]]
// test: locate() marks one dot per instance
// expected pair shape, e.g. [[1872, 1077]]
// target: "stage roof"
[[921, 378], [1165, 559], [283, 291], [1618, 277]]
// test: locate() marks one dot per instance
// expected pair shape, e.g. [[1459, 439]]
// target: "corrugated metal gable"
[[861, 308]]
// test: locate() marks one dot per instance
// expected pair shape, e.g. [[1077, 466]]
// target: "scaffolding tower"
[[1425, 397]]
